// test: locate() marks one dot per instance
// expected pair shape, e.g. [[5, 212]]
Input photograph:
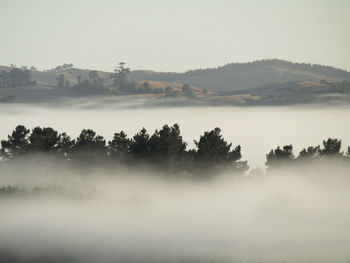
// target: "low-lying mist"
[[131, 215]]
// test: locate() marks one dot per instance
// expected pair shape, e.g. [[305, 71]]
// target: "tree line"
[[16, 77], [95, 84], [165, 150]]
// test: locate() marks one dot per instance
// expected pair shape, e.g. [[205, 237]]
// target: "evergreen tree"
[[119, 147], [280, 157], [214, 153], [16, 144], [89, 147], [120, 75], [310, 153], [139, 147], [166, 147], [65, 145], [331, 148], [43, 140]]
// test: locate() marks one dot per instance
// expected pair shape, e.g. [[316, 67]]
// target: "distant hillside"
[[231, 77], [239, 76], [256, 83], [298, 92]]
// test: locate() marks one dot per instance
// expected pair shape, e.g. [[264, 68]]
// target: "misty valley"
[[185, 131], [95, 180]]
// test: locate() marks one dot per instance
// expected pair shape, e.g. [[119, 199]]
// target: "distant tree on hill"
[[66, 65], [187, 91], [120, 76], [61, 68], [170, 92], [15, 78], [92, 86], [145, 88], [61, 80]]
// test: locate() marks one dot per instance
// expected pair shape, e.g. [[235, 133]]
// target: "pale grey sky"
[[172, 35]]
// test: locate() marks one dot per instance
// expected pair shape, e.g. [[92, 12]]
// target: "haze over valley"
[[174, 131]]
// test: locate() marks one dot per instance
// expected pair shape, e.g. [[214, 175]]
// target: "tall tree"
[[120, 75], [16, 144], [43, 139], [119, 146], [214, 154], [331, 148], [65, 145], [166, 147], [89, 147], [139, 147]]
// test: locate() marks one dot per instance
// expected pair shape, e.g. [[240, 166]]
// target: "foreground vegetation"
[[163, 150]]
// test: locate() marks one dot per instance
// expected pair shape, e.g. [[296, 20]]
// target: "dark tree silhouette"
[[331, 148], [309, 153], [119, 147], [139, 147], [65, 145], [166, 147], [16, 144], [89, 147], [43, 140], [280, 157], [214, 154]]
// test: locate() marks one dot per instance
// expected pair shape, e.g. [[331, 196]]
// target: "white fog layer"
[[282, 217]]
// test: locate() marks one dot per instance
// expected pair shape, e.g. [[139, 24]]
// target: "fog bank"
[[129, 216]]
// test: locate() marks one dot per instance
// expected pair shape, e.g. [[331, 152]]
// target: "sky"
[[166, 35]]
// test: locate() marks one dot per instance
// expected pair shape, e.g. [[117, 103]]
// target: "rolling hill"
[[240, 76], [254, 83]]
